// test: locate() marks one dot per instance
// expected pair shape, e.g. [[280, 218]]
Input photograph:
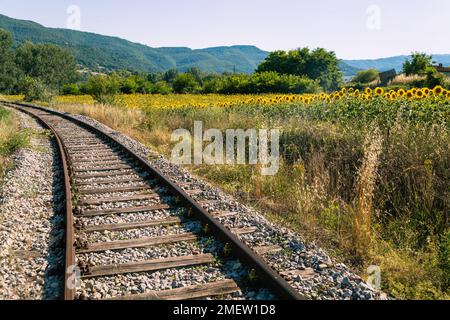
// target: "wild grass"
[[404, 80], [368, 181], [11, 138]]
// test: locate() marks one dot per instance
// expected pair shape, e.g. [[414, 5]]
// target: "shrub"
[[185, 83], [366, 76], [70, 89], [35, 89], [160, 87], [104, 89]]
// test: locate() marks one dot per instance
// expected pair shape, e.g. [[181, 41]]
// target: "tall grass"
[[367, 180], [11, 138]]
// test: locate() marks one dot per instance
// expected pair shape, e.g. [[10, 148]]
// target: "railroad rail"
[[103, 178]]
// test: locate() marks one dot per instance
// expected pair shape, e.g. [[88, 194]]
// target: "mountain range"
[[96, 51]]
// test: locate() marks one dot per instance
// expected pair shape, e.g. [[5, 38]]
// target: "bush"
[[35, 89], [70, 89], [160, 87], [185, 83], [104, 89], [366, 76]]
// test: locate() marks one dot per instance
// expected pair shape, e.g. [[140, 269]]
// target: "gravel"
[[31, 227]]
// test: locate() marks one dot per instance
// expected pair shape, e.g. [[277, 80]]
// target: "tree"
[[185, 83], [9, 73], [53, 65], [104, 89], [318, 64], [418, 64], [197, 73], [170, 75], [366, 76]]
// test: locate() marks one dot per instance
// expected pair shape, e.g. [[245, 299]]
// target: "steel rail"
[[268, 276], [69, 288]]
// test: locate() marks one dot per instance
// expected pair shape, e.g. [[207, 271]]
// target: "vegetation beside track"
[[11, 138]]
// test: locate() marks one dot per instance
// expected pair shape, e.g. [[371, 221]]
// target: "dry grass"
[[367, 177], [403, 80]]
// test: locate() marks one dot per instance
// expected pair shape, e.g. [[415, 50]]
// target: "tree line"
[[41, 70]]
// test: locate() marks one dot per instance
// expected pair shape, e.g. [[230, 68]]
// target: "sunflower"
[[438, 90], [410, 94], [368, 91], [420, 94], [426, 91], [351, 90], [379, 91], [401, 92], [356, 93]]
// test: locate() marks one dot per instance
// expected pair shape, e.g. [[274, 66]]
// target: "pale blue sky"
[[405, 25]]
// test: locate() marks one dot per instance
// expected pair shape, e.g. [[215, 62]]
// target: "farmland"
[[365, 174]]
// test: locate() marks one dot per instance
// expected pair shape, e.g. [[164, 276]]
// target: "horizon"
[[379, 24]]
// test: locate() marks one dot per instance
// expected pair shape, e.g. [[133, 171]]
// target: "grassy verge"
[[366, 180], [11, 138]]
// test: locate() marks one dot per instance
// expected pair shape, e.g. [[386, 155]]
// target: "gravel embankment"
[[31, 227], [308, 268]]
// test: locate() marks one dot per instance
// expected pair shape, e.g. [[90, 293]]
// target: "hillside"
[[93, 50]]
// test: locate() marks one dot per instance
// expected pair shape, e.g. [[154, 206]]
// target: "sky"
[[354, 29]]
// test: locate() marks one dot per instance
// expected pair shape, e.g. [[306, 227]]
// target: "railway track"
[[119, 207]]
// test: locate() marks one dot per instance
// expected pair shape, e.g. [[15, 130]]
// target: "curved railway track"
[[117, 202]]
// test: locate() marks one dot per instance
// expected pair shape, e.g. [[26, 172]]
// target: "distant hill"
[[94, 51]]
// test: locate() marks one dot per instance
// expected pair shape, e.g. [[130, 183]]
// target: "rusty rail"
[[69, 290]]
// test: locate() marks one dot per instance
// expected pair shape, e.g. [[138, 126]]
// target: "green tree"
[[185, 83], [418, 63], [9, 73], [104, 89], [366, 76], [263, 82], [318, 64], [170, 75], [197, 73], [51, 64]]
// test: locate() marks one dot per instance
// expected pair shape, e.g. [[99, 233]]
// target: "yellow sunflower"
[[438, 90], [379, 91], [368, 91]]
